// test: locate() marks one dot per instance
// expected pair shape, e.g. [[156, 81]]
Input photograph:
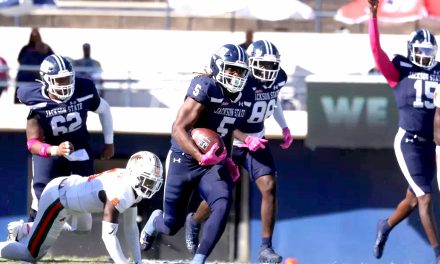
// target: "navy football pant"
[[416, 158], [257, 163], [214, 184], [46, 169]]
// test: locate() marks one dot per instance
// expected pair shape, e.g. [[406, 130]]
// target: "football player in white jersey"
[[114, 192]]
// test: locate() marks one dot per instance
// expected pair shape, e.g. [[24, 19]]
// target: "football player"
[[413, 79], [113, 193], [250, 149], [216, 101], [56, 129]]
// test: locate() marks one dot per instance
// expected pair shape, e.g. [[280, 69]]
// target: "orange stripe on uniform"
[[99, 174], [43, 228], [115, 201]]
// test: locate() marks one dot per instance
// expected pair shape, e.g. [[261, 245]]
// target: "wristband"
[[54, 151], [31, 142], [43, 150]]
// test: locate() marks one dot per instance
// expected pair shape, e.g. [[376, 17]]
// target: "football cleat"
[[191, 235], [381, 239], [268, 255], [15, 232], [148, 233]]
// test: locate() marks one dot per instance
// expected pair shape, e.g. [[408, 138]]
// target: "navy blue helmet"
[[229, 67], [422, 48], [58, 75], [264, 60]]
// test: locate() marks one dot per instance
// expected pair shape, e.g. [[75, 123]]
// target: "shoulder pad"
[[30, 94]]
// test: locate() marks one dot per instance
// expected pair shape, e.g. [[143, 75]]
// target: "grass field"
[[65, 260]]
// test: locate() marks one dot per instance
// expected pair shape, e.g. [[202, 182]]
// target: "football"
[[205, 138]]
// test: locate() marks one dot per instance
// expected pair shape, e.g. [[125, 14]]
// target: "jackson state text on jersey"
[[66, 120], [264, 103], [414, 96], [221, 114]]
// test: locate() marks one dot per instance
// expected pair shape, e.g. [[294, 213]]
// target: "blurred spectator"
[[4, 75], [249, 39], [30, 57], [88, 67]]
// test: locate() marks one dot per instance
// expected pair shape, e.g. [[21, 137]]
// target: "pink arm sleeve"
[[383, 63]]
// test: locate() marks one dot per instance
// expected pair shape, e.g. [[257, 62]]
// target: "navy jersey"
[[414, 96], [221, 114], [62, 121], [264, 104]]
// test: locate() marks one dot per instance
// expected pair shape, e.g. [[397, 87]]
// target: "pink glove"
[[209, 158], [254, 143], [287, 138], [233, 169]]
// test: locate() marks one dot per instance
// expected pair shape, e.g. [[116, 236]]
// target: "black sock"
[[437, 251], [194, 224], [386, 229], [266, 242]]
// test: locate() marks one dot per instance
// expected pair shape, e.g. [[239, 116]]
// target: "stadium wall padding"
[[329, 203]]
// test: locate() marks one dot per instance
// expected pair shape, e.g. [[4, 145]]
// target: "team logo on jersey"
[[115, 201], [409, 140]]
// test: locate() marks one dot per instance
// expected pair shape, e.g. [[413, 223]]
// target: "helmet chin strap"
[[432, 65]]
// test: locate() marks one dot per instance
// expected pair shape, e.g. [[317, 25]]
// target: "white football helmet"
[[145, 173]]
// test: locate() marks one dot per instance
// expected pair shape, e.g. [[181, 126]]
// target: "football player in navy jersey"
[[250, 148], [216, 101], [413, 79], [56, 130]]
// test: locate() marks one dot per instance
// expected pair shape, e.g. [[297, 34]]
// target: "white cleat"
[[15, 232]]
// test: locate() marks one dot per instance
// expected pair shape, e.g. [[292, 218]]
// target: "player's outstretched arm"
[[109, 230], [383, 62], [131, 232]]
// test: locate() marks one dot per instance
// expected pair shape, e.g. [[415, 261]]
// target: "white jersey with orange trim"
[[80, 194], [62, 197]]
